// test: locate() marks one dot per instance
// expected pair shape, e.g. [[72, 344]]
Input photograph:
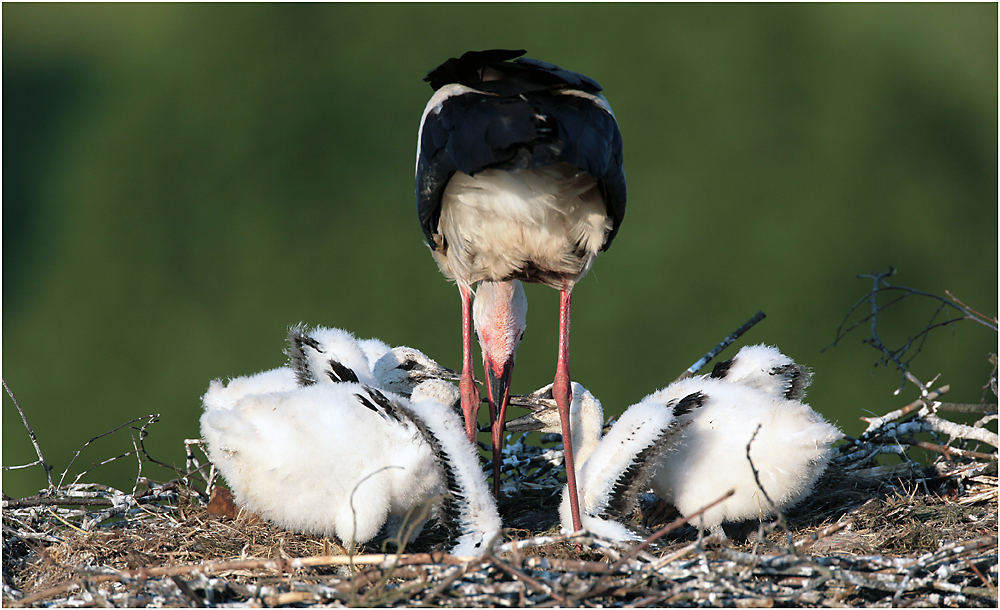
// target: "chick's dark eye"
[[408, 365]]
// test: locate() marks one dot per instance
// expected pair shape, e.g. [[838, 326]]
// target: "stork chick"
[[343, 458], [709, 455], [614, 469], [790, 451], [324, 354]]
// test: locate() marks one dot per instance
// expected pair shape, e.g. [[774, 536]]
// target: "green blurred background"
[[182, 182]]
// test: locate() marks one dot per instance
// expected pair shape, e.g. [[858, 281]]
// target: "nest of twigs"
[[906, 515], [900, 534]]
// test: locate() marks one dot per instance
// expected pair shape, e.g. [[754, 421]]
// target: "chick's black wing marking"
[[635, 479]]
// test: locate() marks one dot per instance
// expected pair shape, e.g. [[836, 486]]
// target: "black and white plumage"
[[613, 469], [764, 367], [528, 126], [707, 457], [519, 177], [759, 387], [344, 458], [324, 354]]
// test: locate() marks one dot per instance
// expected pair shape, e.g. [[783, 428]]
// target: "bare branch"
[[961, 431], [989, 322], [77, 453], [715, 351], [31, 435], [923, 401], [903, 355]]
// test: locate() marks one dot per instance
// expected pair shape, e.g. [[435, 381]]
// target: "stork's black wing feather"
[[493, 71], [468, 68], [517, 117], [795, 379]]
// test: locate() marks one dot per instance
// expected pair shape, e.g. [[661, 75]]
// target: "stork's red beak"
[[498, 391], [498, 385]]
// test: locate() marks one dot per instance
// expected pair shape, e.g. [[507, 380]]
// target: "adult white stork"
[[519, 176]]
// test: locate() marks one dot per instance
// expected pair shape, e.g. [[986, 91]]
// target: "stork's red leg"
[[562, 392], [467, 385]]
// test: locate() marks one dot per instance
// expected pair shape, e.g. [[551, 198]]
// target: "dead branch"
[[715, 351], [923, 401], [955, 430], [902, 356], [756, 478], [948, 452], [77, 453], [31, 434], [961, 407]]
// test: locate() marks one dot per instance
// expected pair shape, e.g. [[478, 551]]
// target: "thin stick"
[[85, 445], [968, 407], [948, 452], [602, 584], [31, 435], [715, 351], [538, 587], [923, 401], [676, 523], [989, 320], [985, 580], [774, 507]]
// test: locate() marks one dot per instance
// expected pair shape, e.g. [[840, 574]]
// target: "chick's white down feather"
[[790, 451], [319, 459], [225, 395], [709, 456], [603, 459], [315, 459]]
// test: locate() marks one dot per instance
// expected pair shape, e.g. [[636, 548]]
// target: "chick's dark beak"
[[525, 423]]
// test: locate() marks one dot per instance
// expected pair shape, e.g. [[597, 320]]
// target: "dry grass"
[[921, 535]]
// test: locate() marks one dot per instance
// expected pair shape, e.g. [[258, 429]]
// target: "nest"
[[871, 535]]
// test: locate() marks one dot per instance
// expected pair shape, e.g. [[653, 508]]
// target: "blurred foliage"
[[183, 181]]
